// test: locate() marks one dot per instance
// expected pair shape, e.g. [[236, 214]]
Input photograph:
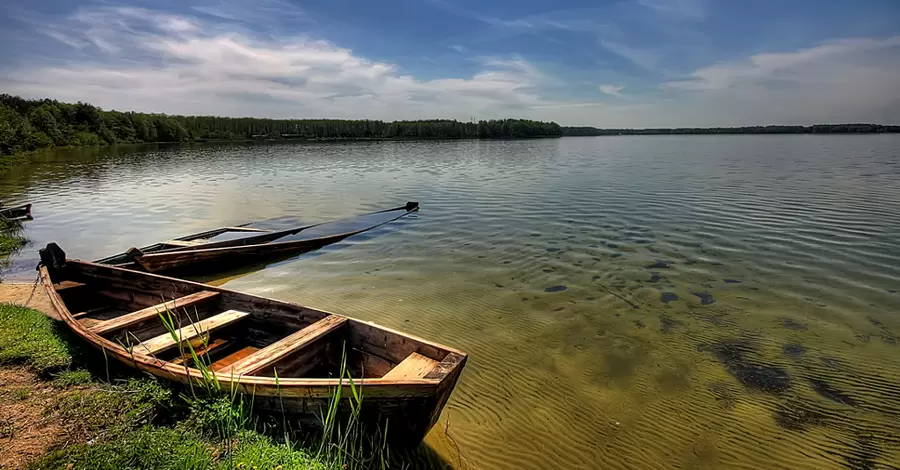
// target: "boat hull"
[[409, 406], [22, 212]]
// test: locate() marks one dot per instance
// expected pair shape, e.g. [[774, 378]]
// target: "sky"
[[614, 64]]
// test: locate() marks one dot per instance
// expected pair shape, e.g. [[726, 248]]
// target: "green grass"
[[135, 422], [72, 377], [31, 338]]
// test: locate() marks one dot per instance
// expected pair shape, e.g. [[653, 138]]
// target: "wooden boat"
[[244, 340], [228, 247], [22, 212]]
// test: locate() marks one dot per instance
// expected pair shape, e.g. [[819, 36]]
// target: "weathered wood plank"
[[187, 333], [415, 366], [246, 229], [217, 343], [233, 357], [152, 311], [183, 242], [268, 356]]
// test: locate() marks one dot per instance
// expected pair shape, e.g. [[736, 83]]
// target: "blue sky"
[[626, 63]]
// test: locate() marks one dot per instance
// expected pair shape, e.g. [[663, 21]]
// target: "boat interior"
[[238, 334]]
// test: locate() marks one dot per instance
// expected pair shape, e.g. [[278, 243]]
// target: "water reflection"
[[693, 302]]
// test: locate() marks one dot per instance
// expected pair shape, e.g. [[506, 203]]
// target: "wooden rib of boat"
[[245, 340], [202, 251], [22, 212]]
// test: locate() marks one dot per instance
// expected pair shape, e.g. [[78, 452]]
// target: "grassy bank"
[[10, 240], [65, 407]]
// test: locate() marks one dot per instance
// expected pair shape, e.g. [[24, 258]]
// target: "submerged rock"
[[659, 264], [559, 309], [553, 249], [654, 278], [667, 324], [616, 255], [793, 350], [666, 297], [705, 298], [732, 281], [797, 416], [826, 390], [639, 324], [752, 374], [556, 289], [792, 324]]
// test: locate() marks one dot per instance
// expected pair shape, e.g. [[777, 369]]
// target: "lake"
[[627, 302]]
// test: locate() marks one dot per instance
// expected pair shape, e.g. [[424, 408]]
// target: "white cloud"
[[783, 65], [196, 68], [612, 90]]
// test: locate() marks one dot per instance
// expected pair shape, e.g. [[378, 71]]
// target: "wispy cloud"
[[612, 90], [838, 54], [198, 67], [679, 9]]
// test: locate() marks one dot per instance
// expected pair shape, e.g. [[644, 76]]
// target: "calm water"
[[627, 302]]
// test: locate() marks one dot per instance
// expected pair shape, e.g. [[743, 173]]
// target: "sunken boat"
[[231, 247]]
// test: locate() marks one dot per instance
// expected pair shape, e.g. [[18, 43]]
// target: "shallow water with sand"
[[627, 302]]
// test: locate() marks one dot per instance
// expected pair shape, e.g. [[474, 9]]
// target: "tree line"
[[27, 125], [815, 129]]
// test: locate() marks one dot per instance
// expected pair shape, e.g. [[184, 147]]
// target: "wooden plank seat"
[[187, 333], [415, 366], [268, 356], [148, 313]]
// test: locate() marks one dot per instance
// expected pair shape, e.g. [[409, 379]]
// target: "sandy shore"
[[27, 295]]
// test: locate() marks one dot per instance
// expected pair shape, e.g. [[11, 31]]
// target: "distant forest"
[[816, 129], [27, 125]]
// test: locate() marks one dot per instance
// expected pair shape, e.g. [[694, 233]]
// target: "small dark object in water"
[[667, 324], [826, 390], [547, 270], [594, 278], [732, 281], [667, 297], [767, 378], [556, 289], [616, 255], [497, 284], [705, 298], [891, 291], [481, 256], [708, 286], [886, 339], [639, 324], [553, 249], [795, 416], [590, 298], [597, 259], [654, 278], [557, 309], [792, 324], [534, 234], [659, 264], [524, 299], [793, 350], [612, 245], [652, 249], [507, 262], [874, 321]]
